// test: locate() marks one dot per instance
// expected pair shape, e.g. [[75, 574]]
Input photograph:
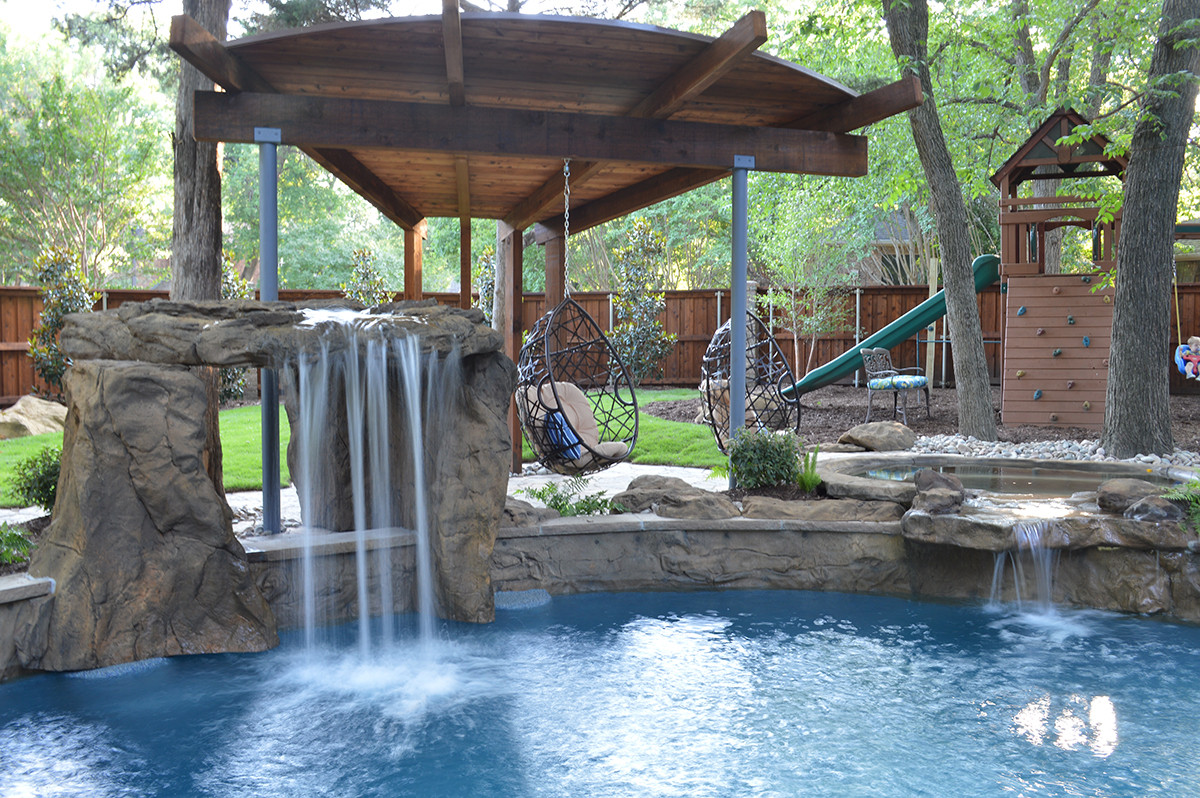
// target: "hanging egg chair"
[[770, 402], [574, 398]]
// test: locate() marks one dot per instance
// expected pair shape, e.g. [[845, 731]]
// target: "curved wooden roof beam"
[[452, 42], [722, 54], [202, 50]]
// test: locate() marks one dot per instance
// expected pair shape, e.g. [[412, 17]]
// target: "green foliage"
[[233, 286], [485, 281], [760, 458], [14, 546], [638, 334], [568, 498], [366, 283], [35, 479], [808, 478], [64, 290], [85, 169], [1189, 495]]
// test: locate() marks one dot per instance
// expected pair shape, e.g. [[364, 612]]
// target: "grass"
[[659, 442]]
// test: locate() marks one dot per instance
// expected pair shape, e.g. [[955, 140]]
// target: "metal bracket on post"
[[268, 139], [737, 319]]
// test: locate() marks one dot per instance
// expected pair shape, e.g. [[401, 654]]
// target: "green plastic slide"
[[987, 271]]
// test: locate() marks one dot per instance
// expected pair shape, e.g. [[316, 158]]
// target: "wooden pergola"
[[471, 116]]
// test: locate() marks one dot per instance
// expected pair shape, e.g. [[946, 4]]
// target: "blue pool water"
[[706, 694]]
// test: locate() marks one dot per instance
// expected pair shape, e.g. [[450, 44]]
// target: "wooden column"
[[555, 243], [509, 260], [464, 263], [413, 241]]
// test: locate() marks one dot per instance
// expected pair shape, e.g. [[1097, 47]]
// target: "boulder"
[[937, 493], [141, 544], [880, 436], [31, 416], [519, 513], [825, 510], [701, 505], [1116, 495], [649, 489], [1154, 508]]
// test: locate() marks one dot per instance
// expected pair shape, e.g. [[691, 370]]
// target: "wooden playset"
[[1057, 329]]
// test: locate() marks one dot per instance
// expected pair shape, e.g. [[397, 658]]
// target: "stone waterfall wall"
[[141, 546]]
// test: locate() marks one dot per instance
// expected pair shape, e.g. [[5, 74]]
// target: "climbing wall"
[[1056, 341]]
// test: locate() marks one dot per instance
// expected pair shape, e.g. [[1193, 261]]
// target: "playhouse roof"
[[1088, 158], [471, 114]]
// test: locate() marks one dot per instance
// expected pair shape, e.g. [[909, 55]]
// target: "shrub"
[[64, 290], [485, 282], [14, 546], [233, 286], [760, 458], [637, 334], [35, 480], [561, 496], [366, 283]]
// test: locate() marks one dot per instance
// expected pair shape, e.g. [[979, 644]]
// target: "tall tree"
[[1136, 414], [908, 29], [196, 241]]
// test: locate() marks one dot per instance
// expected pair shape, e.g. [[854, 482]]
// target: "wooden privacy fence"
[[692, 316]]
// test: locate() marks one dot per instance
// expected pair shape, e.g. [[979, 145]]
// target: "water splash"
[[1030, 553]]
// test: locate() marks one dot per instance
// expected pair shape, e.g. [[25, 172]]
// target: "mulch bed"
[[826, 413]]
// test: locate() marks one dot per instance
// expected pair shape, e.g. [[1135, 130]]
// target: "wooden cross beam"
[[722, 54], [452, 43], [327, 122], [202, 50]]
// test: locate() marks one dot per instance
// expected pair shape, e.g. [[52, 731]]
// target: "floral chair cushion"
[[898, 382]]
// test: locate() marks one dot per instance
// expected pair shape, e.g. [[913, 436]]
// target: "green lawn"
[[659, 443]]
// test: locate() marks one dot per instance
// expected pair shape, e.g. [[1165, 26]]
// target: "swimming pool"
[[699, 694]]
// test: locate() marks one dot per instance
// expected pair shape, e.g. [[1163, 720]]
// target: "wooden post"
[[412, 261], [464, 263], [555, 242], [509, 260]]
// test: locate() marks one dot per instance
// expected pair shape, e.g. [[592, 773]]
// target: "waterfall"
[[383, 435], [1031, 552]]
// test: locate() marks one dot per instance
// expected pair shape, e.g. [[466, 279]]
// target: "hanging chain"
[[566, 225]]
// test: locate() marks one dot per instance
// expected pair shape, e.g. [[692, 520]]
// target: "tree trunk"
[[908, 27], [1137, 416], [196, 232]]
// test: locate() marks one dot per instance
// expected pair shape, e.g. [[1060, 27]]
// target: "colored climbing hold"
[[1057, 290], [1037, 394], [1107, 300], [1041, 331], [1070, 319], [1087, 405], [1021, 311], [1056, 352], [1054, 417], [1087, 341], [1087, 278], [1070, 384], [1020, 373]]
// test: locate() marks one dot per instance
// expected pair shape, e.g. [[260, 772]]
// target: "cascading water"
[[351, 370], [1030, 550]]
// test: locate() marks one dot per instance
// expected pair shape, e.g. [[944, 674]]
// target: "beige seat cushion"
[[577, 409]]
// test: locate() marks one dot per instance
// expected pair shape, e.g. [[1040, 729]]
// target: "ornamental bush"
[[233, 286], [637, 334], [35, 479], [366, 283], [64, 290], [761, 458]]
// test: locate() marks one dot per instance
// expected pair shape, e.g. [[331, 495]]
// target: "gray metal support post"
[[268, 291], [742, 164]]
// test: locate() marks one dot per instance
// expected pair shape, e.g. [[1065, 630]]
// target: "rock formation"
[[31, 416]]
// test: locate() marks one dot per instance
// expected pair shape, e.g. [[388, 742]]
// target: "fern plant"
[[808, 477], [1187, 494], [568, 499]]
